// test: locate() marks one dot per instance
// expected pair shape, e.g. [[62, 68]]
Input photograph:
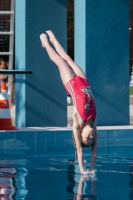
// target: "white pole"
[[131, 79], [11, 48]]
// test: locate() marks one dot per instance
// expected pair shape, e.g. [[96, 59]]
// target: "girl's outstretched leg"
[[78, 71], [65, 70]]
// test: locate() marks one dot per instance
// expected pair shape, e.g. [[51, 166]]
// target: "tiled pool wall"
[[56, 142]]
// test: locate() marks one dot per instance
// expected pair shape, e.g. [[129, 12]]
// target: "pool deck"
[[99, 128]]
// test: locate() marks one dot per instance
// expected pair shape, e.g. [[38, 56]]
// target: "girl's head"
[[87, 134], [3, 63]]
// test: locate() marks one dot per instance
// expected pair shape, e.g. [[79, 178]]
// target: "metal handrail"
[[15, 72], [6, 53], [6, 33], [6, 12]]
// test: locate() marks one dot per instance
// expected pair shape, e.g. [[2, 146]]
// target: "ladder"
[[10, 53]]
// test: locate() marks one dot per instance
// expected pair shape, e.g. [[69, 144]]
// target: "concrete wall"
[[40, 97], [102, 50]]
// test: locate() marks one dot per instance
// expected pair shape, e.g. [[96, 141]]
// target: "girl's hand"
[[85, 172]]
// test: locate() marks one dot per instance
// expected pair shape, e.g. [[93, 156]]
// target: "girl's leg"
[[65, 70], [78, 71]]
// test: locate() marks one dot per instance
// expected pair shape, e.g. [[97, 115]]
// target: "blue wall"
[[104, 55], [40, 97]]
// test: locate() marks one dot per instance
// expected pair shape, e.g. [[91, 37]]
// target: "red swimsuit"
[[80, 90]]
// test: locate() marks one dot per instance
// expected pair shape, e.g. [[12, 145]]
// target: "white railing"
[[11, 48], [11, 43]]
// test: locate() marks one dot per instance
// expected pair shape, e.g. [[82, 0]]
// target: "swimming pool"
[[39, 164]]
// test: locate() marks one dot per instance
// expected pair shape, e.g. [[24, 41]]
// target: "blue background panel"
[[40, 97], [106, 56]]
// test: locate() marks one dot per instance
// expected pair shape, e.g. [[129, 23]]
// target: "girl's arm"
[[79, 149], [2, 77], [94, 151]]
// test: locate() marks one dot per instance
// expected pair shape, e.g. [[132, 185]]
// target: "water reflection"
[[20, 183], [12, 181], [131, 181], [81, 187], [7, 188]]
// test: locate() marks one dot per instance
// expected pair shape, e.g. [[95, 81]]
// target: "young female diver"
[[76, 83]]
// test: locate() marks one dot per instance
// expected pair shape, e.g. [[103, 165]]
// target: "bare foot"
[[44, 39], [51, 36]]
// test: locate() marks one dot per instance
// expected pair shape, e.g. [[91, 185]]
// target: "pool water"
[[56, 176]]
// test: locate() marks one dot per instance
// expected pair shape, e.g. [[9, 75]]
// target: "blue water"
[[40, 175]]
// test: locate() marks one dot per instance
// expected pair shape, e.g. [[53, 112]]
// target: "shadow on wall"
[[111, 104], [63, 3], [23, 106], [38, 90], [125, 2]]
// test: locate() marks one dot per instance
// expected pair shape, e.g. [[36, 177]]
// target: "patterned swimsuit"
[[80, 91]]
